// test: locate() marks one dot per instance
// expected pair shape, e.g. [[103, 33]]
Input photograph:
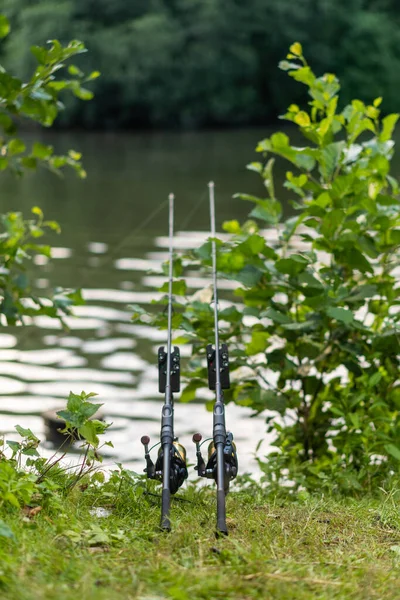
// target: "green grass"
[[308, 549]]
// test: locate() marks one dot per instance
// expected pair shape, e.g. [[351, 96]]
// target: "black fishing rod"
[[170, 467], [222, 465]]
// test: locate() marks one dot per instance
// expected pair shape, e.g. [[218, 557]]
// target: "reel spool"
[[210, 470], [178, 470]]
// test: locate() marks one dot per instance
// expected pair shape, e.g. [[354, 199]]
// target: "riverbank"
[[103, 543]]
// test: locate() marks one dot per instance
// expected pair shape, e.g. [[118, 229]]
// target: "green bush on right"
[[321, 349]]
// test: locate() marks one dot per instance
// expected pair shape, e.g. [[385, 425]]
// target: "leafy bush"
[[315, 341], [26, 477]]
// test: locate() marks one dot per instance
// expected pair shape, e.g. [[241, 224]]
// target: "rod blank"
[[219, 430]]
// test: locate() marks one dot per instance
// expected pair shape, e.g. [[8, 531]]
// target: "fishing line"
[[113, 254], [193, 211]]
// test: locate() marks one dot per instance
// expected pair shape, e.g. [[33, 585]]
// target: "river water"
[[114, 228]]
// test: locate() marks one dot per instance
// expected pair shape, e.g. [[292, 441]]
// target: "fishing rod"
[[222, 464], [170, 466]]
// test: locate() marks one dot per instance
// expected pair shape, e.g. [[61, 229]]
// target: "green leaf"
[[276, 316], [354, 259], [310, 285], [285, 65], [26, 433], [68, 417], [375, 379], [74, 70], [4, 26], [12, 499], [89, 432], [137, 311], [332, 221], [3, 163], [340, 314], [361, 293], [40, 54], [249, 276], [7, 123], [268, 211], [189, 393], [74, 402], [16, 146], [388, 125], [36, 210], [82, 93], [394, 236], [292, 265], [231, 226], [29, 162], [259, 342], [388, 342], [41, 151], [253, 245], [74, 155], [304, 75], [307, 325], [93, 75], [231, 314], [302, 118], [330, 159], [296, 48], [52, 225], [5, 531], [88, 409], [178, 287], [393, 451], [14, 446], [261, 400]]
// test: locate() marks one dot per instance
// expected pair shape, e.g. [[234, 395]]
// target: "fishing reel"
[[178, 470], [177, 463], [209, 470]]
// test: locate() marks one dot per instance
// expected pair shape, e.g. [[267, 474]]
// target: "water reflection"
[[108, 254]]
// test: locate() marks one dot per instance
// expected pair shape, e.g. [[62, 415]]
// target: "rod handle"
[[165, 506], [221, 514]]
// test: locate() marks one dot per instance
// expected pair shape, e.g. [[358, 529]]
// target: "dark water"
[[113, 232]]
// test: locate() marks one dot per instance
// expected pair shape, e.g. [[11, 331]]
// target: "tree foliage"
[[189, 63], [36, 99], [315, 338]]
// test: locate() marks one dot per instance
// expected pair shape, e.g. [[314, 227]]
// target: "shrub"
[[316, 341]]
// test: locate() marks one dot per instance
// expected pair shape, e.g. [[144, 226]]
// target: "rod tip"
[[171, 197], [210, 184]]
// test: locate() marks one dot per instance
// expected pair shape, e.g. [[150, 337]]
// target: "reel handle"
[[197, 437], [150, 468], [201, 465], [145, 440]]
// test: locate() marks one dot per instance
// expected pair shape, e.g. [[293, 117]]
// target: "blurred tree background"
[[199, 63]]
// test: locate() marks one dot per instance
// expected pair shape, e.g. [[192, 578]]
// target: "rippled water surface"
[[114, 233]]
